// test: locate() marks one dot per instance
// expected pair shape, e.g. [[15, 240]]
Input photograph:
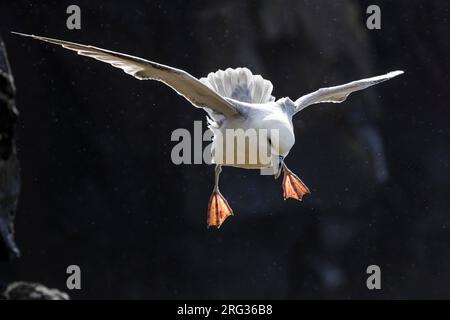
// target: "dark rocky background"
[[99, 189]]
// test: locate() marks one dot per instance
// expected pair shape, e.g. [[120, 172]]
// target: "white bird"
[[233, 99]]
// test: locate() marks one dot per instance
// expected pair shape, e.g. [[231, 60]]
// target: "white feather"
[[241, 85]]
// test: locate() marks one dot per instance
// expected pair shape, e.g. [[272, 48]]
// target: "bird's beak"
[[280, 168]]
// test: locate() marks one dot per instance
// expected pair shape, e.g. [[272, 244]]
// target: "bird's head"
[[280, 132], [281, 139]]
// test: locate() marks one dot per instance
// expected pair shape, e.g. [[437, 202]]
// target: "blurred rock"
[[32, 291], [9, 165]]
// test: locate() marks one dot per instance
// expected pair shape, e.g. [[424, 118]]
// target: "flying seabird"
[[234, 99]]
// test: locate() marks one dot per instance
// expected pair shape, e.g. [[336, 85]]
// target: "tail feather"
[[240, 84]]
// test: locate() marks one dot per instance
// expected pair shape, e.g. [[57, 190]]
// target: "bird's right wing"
[[182, 82], [338, 94]]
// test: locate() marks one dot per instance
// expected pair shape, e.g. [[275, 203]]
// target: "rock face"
[[9, 165], [32, 291]]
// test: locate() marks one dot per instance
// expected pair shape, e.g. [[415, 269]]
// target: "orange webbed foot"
[[293, 187], [218, 210]]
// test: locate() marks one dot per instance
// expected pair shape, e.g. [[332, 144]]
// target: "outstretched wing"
[[182, 82], [338, 94]]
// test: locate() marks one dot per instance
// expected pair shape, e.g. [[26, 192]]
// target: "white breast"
[[245, 142]]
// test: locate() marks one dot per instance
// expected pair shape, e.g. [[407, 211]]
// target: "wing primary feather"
[[183, 83], [340, 93]]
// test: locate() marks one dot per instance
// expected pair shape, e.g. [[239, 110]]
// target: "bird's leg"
[[293, 187], [280, 168], [218, 207]]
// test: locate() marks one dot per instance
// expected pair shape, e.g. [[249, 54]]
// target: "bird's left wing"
[[338, 94], [182, 82]]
